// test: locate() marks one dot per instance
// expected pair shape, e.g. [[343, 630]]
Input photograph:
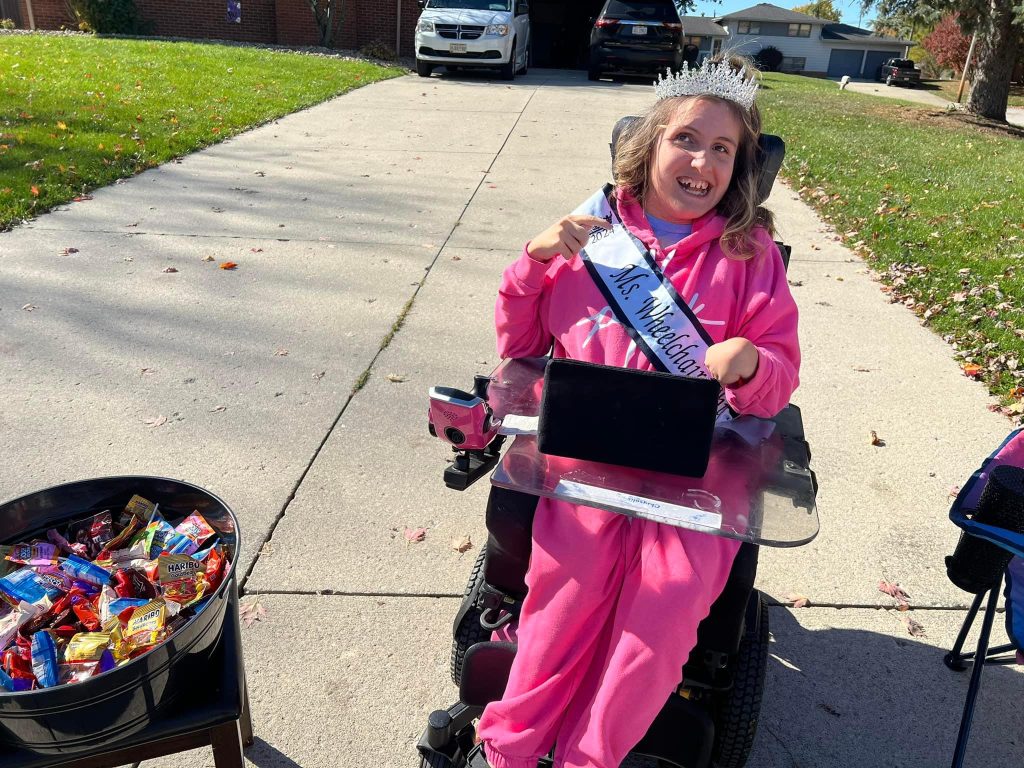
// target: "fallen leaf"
[[798, 601], [915, 628], [415, 534], [81, 198], [208, 258], [218, 408], [462, 544], [228, 265], [281, 352], [259, 173], [147, 371], [895, 591], [830, 710], [876, 440], [394, 378], [29, 307], [319, 375], [256, 250], [169, 270], [157, 422], [796, 283], [954, 491], [34, 190], [972, 369], [251, 612], [68, 251]]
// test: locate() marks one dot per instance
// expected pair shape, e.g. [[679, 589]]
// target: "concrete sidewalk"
[[423, 190], [1014, 115]]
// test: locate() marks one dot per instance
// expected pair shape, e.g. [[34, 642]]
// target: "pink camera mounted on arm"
[[466, 422]]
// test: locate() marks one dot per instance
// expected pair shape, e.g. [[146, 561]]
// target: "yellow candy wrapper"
[[146, 626], [180, 577], [87, 646]]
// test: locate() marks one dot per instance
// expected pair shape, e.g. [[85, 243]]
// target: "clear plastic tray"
[[758, 486]]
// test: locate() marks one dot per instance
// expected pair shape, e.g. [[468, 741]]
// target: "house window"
[[748, 28], [692, 41], [793, 64], [799, 30]]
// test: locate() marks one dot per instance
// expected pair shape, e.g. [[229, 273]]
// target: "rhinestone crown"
[[714, 78]]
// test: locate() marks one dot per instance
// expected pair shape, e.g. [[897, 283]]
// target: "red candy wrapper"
[[130, 582], [86, 613], [215, 564]]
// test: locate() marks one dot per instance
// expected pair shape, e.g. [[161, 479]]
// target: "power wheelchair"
[[711, 719]]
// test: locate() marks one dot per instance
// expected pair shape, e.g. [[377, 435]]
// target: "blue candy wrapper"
[[44, 660], [26, 586], [106, 662], [180, 544], [116, 606], [77, 568]]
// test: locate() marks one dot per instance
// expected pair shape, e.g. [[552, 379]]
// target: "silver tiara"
[[717, 79]]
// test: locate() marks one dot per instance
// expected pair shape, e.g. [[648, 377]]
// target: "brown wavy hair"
[[634, 157]]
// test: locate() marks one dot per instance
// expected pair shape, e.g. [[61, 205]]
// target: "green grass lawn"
[[949, 88], [79, 112], [935, 204]]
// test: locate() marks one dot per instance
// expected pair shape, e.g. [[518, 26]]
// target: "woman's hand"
[[566, 236], [732, 361]]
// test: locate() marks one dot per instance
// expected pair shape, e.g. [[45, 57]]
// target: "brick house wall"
[[286, 22]]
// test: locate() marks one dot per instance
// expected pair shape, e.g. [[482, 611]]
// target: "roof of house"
[[769, 12], [702, 26], [851, 34]]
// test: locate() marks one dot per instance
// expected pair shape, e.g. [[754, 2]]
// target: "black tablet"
[[643, 419]]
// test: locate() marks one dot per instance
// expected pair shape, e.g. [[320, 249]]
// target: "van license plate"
[[638, 30], [456, 47]]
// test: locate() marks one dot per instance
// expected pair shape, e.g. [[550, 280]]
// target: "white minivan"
[[473, 33]]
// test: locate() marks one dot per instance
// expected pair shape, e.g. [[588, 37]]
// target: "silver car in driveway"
[[473, 33]]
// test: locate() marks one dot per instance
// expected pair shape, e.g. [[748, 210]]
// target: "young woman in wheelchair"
[[614, 602]]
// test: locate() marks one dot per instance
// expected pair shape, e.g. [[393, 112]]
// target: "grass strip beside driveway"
[[79, 112], [935, 204]]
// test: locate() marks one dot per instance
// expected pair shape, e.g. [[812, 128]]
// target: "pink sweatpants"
[[609, 620]]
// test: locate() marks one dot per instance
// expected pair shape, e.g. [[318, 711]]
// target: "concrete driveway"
[[1014, 115], [413, 195]]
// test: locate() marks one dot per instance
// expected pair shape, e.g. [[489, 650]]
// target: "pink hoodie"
[[559, 300]]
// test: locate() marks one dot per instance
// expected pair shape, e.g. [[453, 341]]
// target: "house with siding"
[[809, 45], [703, 33]]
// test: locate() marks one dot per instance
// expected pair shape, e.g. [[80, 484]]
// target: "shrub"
[[768, 59], [379, 50], [6, 23], [106, 16]]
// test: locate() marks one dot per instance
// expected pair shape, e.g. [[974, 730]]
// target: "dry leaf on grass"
[[972, 369], [876, 440], [252, 611], [798, 601], [915, 628], [415, 534], [158, 421], [462, 544], [395, 378], [895, 591]]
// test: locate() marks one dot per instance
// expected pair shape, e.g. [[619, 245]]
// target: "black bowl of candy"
[[113, 595]]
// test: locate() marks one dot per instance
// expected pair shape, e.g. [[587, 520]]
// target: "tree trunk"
[[999, 40]]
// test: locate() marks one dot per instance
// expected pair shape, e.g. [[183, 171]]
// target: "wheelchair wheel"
[[738, 709], [468, 631]]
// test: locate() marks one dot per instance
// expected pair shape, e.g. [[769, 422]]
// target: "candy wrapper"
[[44, 660], [156, 535], [86, 646], [6, 566], [65, 546], [26, 586], [39, 553], [146, 626], [133, 526], [140, 508], [77, 568], [131, 582], [54, 579], [94, 533], [189, 535], [180, 578], [11, 620]]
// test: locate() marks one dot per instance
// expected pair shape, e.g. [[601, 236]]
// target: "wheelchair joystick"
[[465, 421]]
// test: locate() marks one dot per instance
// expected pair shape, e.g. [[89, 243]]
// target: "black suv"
[[635, 37]]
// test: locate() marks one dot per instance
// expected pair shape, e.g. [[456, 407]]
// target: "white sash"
[[658, 320]]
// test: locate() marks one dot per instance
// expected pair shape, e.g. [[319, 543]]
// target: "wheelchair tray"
[[758, 486]]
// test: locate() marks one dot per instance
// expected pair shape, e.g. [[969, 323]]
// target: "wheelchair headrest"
[[771, 151]]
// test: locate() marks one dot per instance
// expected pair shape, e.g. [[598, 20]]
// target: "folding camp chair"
[[1010, 544]]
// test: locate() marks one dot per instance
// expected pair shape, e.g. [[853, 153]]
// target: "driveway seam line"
[[364, 376]]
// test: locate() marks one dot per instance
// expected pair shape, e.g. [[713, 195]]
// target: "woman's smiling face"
[[693, 161]]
